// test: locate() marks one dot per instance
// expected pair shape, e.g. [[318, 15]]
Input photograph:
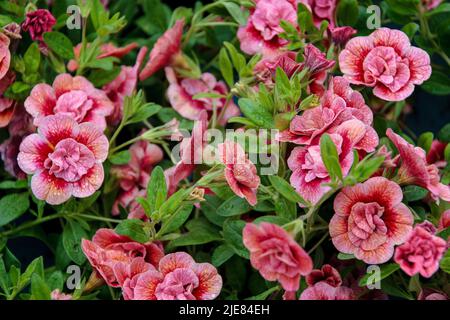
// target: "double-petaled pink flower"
[[309, 174], [341, 109], [6, 104], [181, 94], [386, 61], [65, 159], [165, 51], [276, 255], [261, 33], [421, 252], [38, 22], [326, 274], [5, 55], [370, 220], [324, 291], [240, 172], [178, 277], [322, 10], [75, 97], [414, 168], [58, 295], [107, 249], [340, 35]]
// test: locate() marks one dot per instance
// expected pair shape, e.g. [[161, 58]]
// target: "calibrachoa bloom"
[[58, 295], [386, 61], [261, 33], [6, 104], [436, 154], [276, 255], [240, 172], [107, 249], [165, 51], [181, 92], [415, 170], [65, 159], [341, 35], [370, 219], [38, 22], [127, 275], [421, 253], [75, 97], [179, 277], [324, 291], [326, 274], [5, 55], [309, 173], [431, 4], [322, 10]]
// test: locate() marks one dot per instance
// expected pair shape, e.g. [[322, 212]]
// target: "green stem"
[[97, 218], [318, 243], [31, 224]]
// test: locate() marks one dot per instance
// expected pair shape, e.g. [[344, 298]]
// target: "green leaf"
[[176, 220], [264, 295], [122, 157], [200, 232], [59, 44], [256, 113], [221, 254], [13, 206], [144, 112], [345, 256], [425, 140], [410, 29], [232, 233], [29, 271], [286, 209], [444, 133], [225, 67], [391, 287], [347, 12], [286, 190], [171, 205], [444, 264], [385, 271], [305, 18], [17, 184], [414, 193], [32, 58], [278, 220], [330, 157], [237, 58], [101, 77], [156, 189], [366, 168], [39, 289], [438, 84], [106, 64], [236, 12], [233, 207], [134, 229], [72, 235]]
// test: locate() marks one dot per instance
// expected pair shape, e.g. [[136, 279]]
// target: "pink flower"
[[58, 295], [276, 255], [179, 277], [444, 221], [370, 219], [65, 159], [322, 10], [386, 61], [436, 154], [165, 51], [421, 253], [341, 109], [430, 294], [309, 173], [431, 4], [181, 92], [72, 96], [324, 291], [341, 35], [106, 50], [38, 22], [261, 33], [5, 55], [122, 86], [326, 274], [240, 172], [265, 70], [12, 30], [127, 275], [415, 170], [6, 104], [107, 249], [315, 60]]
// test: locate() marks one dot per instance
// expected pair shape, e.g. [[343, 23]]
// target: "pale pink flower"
[[12, 30], [322, 10], [421, 253], [181, 92], [127, 275], [106, 50], [240, 172], [431, 4], [326, 274], [341, 109], [58, 295], [436, 154], [415, 170], [370, 219], [165, 51], [431, 294], [65, 159], [72, 96], [179, 277], [38, 22], [107, 249], [386, 61], [324, 291], [261, 33], [122, 86], [6, 104], [276, 255], [340, 35], [444, 221], [309, 173], [5, 55]]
